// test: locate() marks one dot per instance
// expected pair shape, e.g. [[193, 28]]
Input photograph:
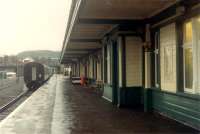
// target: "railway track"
[[12, 96], [6, 109]]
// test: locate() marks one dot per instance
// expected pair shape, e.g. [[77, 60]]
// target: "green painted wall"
[[108, 92], [178, 106], [130, 96]]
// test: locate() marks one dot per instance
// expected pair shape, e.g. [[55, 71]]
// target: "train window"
[[34, 71], [40, 75]]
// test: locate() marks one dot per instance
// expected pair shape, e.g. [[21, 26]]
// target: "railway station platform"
[[59, 107]]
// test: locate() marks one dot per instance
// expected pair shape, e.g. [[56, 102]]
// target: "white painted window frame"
[[195, 55], [156, 53]]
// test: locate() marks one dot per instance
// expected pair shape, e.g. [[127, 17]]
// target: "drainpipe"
[[148, 69], [147, 57]]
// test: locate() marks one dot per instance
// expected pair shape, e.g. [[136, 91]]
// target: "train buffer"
[[58, 107]]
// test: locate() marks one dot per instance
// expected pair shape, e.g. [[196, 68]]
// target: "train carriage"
[[35, 74]]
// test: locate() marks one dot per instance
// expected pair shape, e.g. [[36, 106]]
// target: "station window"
[[168, 58], [191, 56], [188, 58]]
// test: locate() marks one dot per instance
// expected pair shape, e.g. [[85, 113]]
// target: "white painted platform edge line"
[[107, 99]]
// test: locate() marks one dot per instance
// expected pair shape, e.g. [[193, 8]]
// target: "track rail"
[[13, 101], [16, 100]]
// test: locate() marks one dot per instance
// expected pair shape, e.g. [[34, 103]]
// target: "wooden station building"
[[145, 52]]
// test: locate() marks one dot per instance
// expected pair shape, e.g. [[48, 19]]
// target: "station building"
[[146, 53]]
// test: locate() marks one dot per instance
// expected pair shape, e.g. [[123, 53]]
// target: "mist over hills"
[[39, 54]]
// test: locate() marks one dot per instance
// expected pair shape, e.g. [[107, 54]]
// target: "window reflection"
[[188, 68], [188, 32], [188, 55]]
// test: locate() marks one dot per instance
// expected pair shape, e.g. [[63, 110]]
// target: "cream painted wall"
[[82, 73], [133, 61], [99, 67], [99, 71], [90, 67]]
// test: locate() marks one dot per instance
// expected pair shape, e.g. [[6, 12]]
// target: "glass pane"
[[168, 63], [198, 52], [198, 29], [188, 32], [188, 68]]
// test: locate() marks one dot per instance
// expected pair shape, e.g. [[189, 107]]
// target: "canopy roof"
[[91, 20]]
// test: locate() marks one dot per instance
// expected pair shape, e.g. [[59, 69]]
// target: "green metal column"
[[114, 72]]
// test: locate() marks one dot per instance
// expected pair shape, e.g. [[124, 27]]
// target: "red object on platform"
[[82, 80]]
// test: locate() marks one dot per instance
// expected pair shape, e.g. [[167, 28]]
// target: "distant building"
[[8, 60], [1, 60]]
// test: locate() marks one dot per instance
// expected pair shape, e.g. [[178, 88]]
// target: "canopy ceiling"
[[94, 18]]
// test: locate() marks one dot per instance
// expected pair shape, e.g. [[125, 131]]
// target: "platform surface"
[[59, 107]]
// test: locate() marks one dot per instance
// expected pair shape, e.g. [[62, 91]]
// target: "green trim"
[[107, 92], [105, 63], [123, 61], [121, 97], [179, 56], [178, 106], [130, 97], [102, 66], [114, 70], [182, 94], [147, 100]]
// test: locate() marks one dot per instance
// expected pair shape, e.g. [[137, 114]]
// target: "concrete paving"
[[34, 115], [61, 108]]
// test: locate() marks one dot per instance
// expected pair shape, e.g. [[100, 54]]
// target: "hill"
[[39, 54]]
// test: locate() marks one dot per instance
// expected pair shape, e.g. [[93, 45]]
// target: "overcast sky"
[[32, 25]]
